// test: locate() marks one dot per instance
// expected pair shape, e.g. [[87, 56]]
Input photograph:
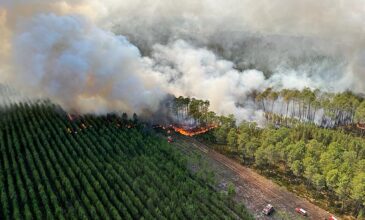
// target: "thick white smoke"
[[199, 73], [81, 66], [215, 50]]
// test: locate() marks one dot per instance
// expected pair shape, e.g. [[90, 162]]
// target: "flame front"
[[196, 131]]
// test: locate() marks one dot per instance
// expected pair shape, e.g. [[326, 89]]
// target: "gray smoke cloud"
[[323, 40], [99, 56]]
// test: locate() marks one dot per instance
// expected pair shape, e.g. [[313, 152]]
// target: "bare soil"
[[252, 189]]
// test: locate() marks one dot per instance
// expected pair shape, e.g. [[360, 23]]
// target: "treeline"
[[283, 108], [328, 161], [196, 112], [191, 110], [324, 109], [105, 169]]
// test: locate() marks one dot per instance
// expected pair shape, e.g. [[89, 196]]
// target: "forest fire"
[[187, 131], [194, 131]]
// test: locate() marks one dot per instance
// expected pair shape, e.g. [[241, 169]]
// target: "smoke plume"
[[100, 56]]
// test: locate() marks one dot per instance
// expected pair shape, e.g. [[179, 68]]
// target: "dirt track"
[[254, 190]]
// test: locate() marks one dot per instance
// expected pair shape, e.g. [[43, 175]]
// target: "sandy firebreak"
[[254, 190]]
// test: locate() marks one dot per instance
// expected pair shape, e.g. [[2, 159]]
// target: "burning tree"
[[187, 116]]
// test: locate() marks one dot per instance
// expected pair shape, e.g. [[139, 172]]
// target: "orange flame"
[[193, 132]]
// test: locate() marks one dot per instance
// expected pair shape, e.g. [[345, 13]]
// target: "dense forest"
[[296, 140], [326, 160], [57, 166], [303, 139], [97, 167]]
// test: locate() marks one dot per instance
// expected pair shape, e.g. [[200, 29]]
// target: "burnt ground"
[[252, 189]]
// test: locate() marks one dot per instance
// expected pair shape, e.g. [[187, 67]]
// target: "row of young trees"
[[330, 161], [100, 172], [325, 109]]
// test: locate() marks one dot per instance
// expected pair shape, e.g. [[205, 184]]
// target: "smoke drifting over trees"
[[99, 56]]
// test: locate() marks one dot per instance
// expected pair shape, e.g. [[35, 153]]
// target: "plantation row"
[[100, 172]]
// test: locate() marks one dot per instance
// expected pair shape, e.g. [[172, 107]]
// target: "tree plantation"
[[96, 168]]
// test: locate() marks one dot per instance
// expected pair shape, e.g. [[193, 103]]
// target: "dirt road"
[[254, 190]]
